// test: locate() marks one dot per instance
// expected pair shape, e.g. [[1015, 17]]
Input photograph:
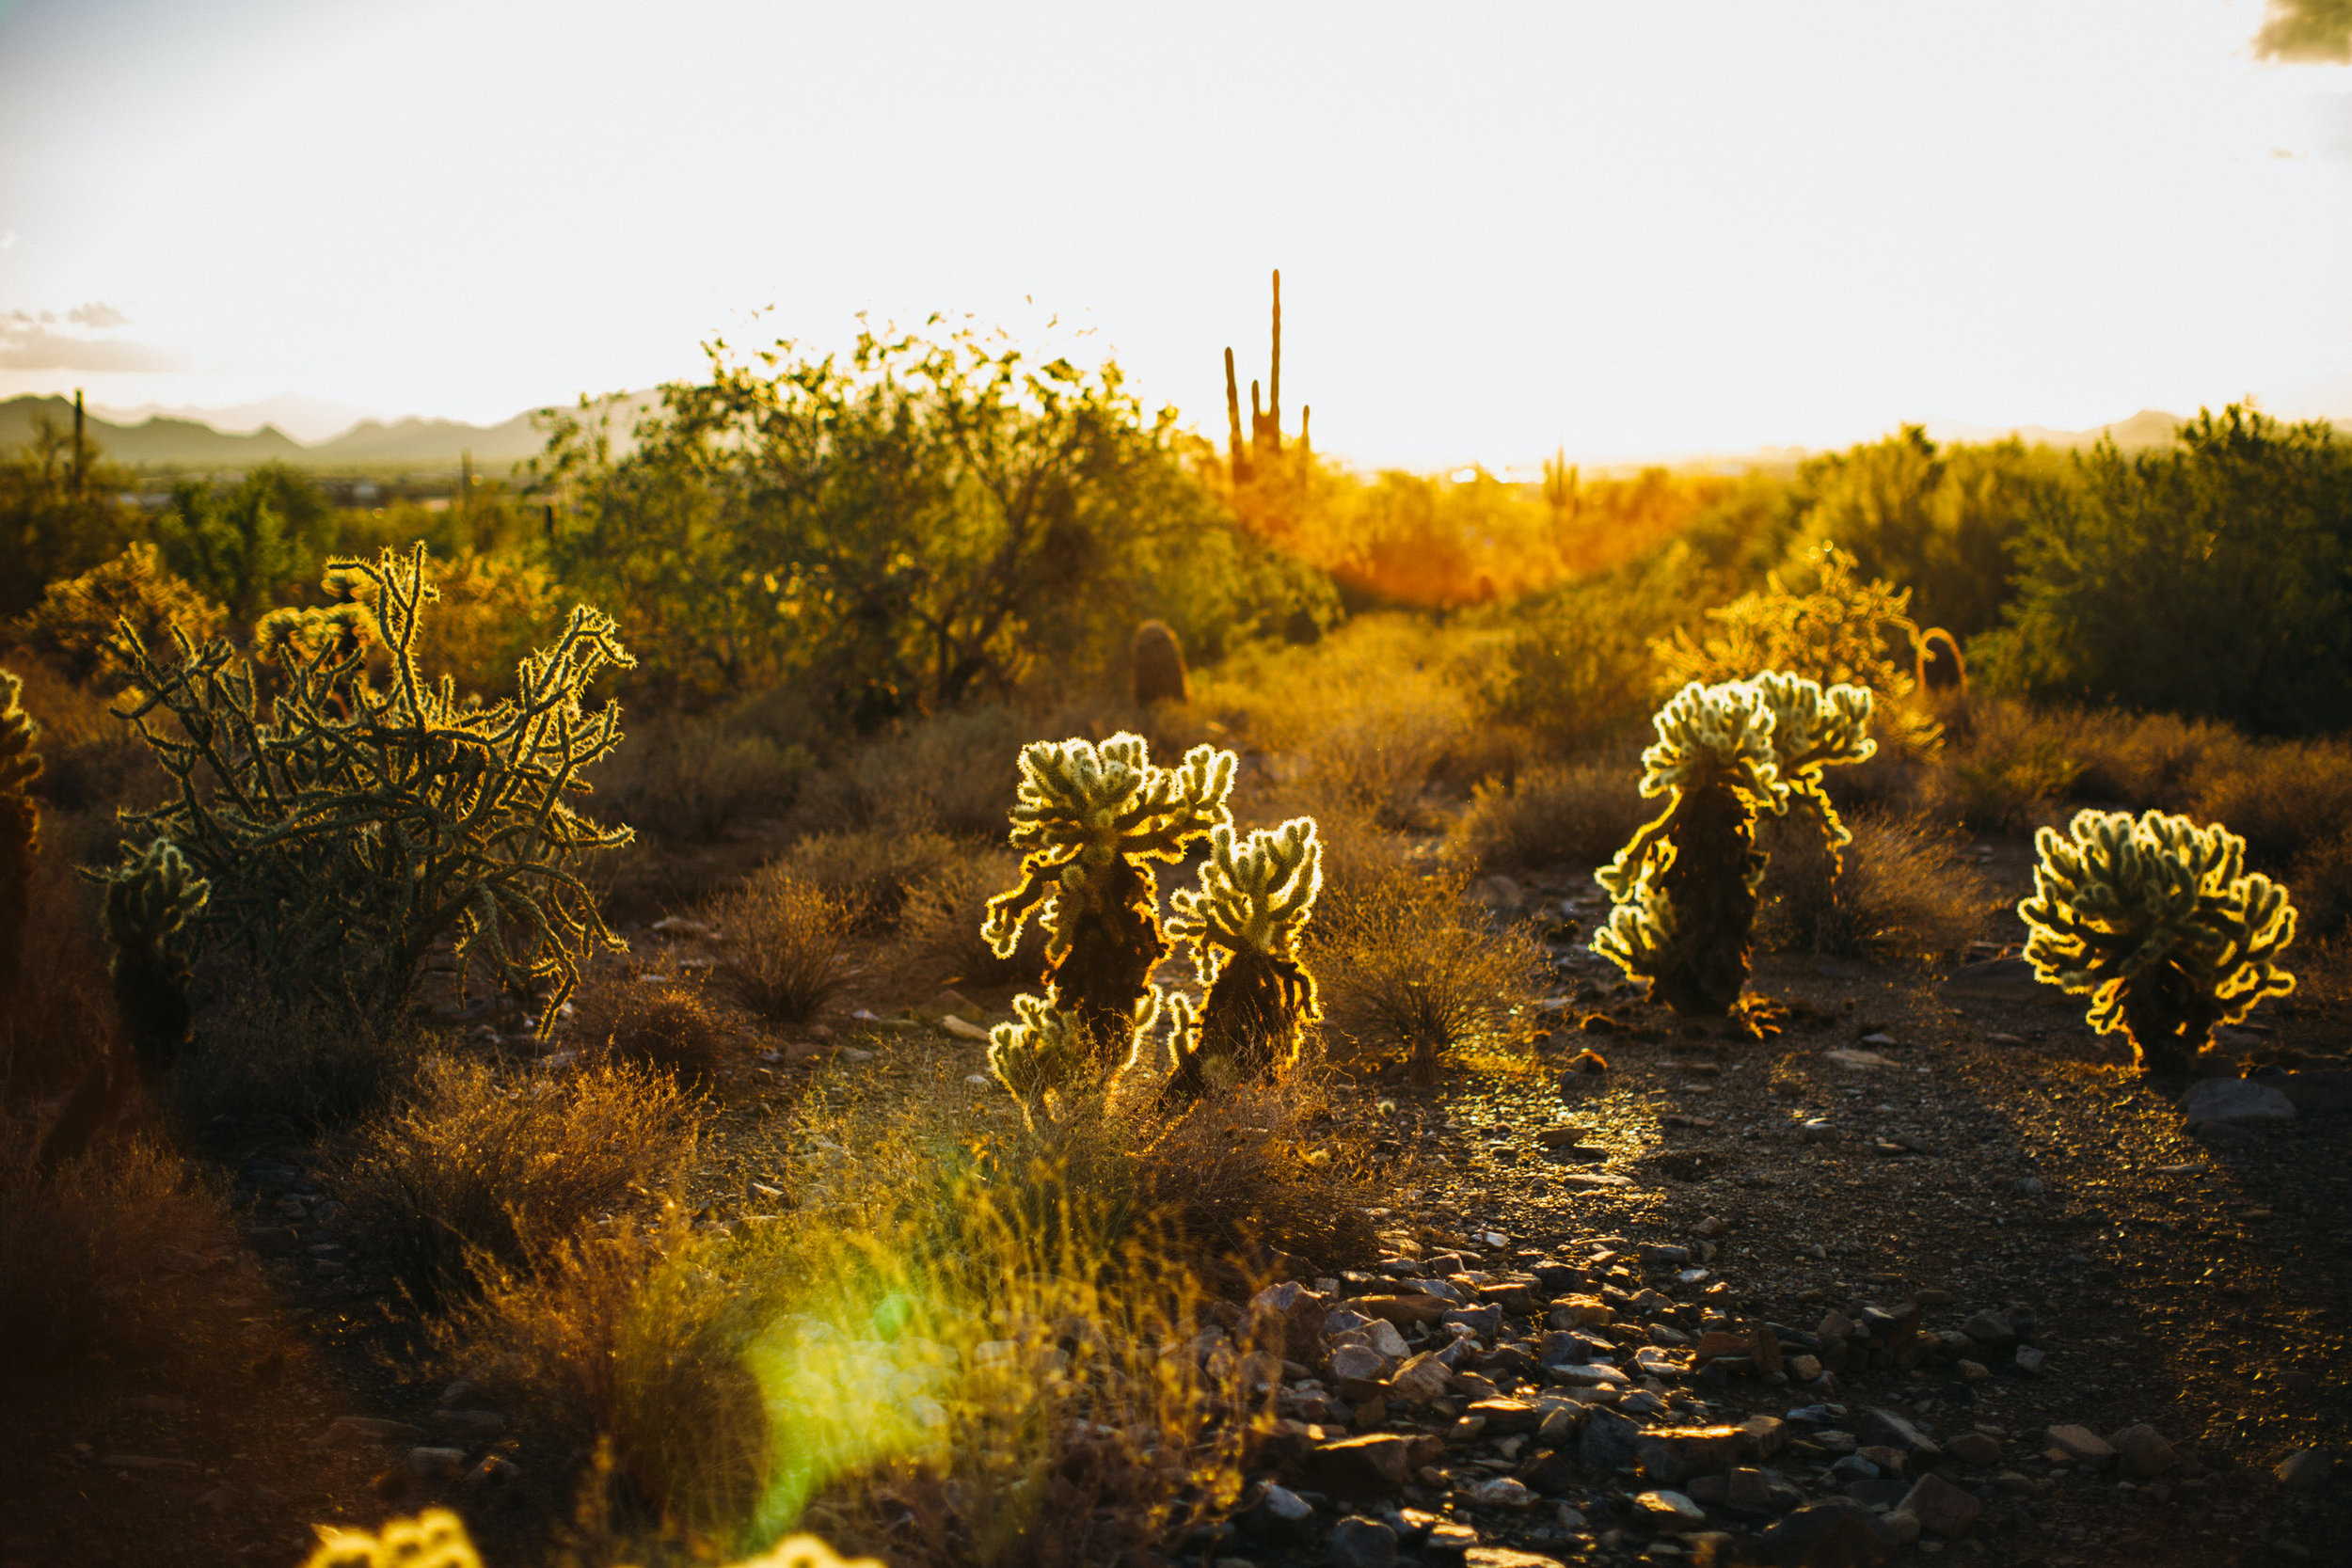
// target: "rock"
[[1972, 1371], [1670, 1512], [1858, 1058], [1505, 1417], [1382, 1336], [1672, 1455], [1878, 1495], [494, 1469], [1356, 1363], [1904, 1525], [1884, 1429], [956, 1027], [1498, 893], [1990, 1329], [2032, 1362], [2235, 1102], [1581, 1312], [1289, 1317], [1484, 1321], [1769, 1433], [1942, 1508], [1402, 1311], [1504, 1492], [2304, 1470], [220, 1499], [436, 1464], [1764, 1350], [1361, 1542], [1975, 1449], [1281, 1504], [1422, 1379], [1654, 1362], [1559, 1424], [1366, 1466], [1834, 1530], [1719, 1342], [2081, 1445], [2142, 1452], [1605, 1442], [474, 1426]]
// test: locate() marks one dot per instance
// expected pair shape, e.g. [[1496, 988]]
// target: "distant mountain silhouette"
[[412, 443], [2148, 428]]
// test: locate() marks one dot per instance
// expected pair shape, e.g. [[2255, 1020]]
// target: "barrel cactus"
[[1244, 923], [2159, 923], [1091, 820], [1685, 886]]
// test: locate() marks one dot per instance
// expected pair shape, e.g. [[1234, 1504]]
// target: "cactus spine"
[[1090, 821], [19, 834], [1685, 887], [1244, 923], [2161, 925], [152, 900]]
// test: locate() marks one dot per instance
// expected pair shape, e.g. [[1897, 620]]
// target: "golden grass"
[[1574, 815], [790, 938], [669, 1031], [1904, 894]]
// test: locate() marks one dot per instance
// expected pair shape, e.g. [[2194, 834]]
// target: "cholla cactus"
[[152, 900], [346, 825], [1048, 1054], [1244, 923], [1091, 818], [437, 1539], [2161, 925], [20, 832], [1685, 887]]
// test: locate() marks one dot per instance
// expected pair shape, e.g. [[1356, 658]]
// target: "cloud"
[[33, 342], [2312, 31]]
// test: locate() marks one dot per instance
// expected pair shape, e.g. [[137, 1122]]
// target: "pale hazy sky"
[[1629, 229]]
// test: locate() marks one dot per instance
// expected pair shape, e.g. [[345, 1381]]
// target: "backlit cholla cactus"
[[1685, 886], [20, 832], [1046, 1052], [437, 1539], [1091, 820], [2161, 925], [152, 900], [1244, 923]]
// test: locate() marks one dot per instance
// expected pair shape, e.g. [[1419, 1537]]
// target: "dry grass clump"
[[63, 1013], [954, 773], [695, 780], [1418, 972], [790, 935], [872, 870], [97, 1254], [1904, 893], [2014, 766], [2283, 797], [668, 1031], [1578, 813], [2320, 882], [1256, 1175], [477, 1170], [261, 1067], [940, 941]]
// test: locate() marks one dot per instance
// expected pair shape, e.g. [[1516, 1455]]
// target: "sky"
[[1628, 232]]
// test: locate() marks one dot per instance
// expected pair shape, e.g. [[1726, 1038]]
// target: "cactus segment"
[[2159, 922], [1244, 923], [152, 900], [20, 832]]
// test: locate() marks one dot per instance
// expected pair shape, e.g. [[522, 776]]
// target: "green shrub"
[[245, 543], [2159, 923], [2203, 580], [347, 826], [696, 781], [1685, 886], [939, 930]]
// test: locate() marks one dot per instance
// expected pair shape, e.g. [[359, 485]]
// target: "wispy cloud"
[[37, 341]]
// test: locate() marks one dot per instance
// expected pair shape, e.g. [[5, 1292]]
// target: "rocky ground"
[[1930, 1272]]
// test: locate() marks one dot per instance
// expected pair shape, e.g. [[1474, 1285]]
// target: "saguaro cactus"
[[20, 832], [1091, 820], [153, 899], [1244, 923], [2161, 925], [1685, 886]]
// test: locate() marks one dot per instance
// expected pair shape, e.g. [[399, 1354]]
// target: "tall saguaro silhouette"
[[1265, 415]]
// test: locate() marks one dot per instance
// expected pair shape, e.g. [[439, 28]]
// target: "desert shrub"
[[62, 1017], [791, 938], [1411, 969], [1903, 891], [474, 1171], [1253, 1173], [2159, 923], [1684, 887], [492, 611], [1844, 632], [94, 761], [1381, 760], [694, 781], [95, 1254], [2321, 881], [1562, 813], [347, 826], [940, 940], [61, 511], [2203, 578], [259, 1066], [244, 544], [2013, 765], [2280, 797], [955, 773], [669, 1032], [871, 871], [1578, 672], [74, 624], [20, 832]]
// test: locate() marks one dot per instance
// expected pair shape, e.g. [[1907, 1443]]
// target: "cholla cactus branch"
[[1685, 887], [347, 825], [20, 832], [1048, 1055], [2161, 925], [1091, 819], [152, 901], [1244, 923]]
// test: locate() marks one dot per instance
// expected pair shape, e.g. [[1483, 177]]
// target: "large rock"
[[1360, 1543], [1505, 1417], [1942, 1508], [1605, 1442], [2304, 1470], [1288, 1318], [2142, 1452], [1418, 1381], [1366, 1466], [1833, 1530], [1884, 1429], [1581, 1312], [1403, 1312], [1382, 1336], [2082, 1445], [1670, 1512], [1672, 1455], [2235, 1102]]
